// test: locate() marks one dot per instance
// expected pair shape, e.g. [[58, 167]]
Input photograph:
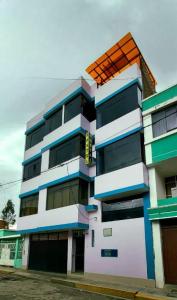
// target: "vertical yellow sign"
[[88, 148]]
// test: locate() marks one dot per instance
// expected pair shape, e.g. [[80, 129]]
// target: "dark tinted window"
[[29, 205], [32, 169], [117, 106], [164, 120], [126, 208], [121, 154], [79, 105], [54, 121], [67, 150], [35, 137], [92, 185], [68, 193]]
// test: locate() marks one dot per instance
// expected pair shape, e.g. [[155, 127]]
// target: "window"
[[68, 193], [29, 205], [118, 106], [164, 120], [92, 185], [67, 150], [93, 238], [79, 105], [121, 154], [171, 186], [126, 208], [34, 137], [32, 169], [54, 121]]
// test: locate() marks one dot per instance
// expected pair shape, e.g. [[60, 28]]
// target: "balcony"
[[64, 218], [123, 182]]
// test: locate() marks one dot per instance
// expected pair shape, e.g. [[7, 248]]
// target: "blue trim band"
[[27, 161], [55, 227], [63, 179], [41, 122], [140, 186], [119, 137], [62, 139], [35, 191], [148, 239], [91, 207], [119, 90], [66, 99]]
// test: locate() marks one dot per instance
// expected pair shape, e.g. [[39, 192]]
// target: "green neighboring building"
[[10, 248], [160, 131]]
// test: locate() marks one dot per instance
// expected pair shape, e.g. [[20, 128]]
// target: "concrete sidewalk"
[[99, 286]]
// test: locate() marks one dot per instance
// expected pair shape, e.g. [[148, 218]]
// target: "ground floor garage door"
[[48, 254], [169, 236]]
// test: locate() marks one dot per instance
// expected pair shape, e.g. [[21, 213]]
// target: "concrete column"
[[156, 230], [70, 253], [159, 270], [45, 161], [25, 252]]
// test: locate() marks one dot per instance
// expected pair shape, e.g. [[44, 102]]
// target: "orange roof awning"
[[118, 58]]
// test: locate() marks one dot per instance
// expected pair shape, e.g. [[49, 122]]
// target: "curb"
[[122, 293], [144, 296]]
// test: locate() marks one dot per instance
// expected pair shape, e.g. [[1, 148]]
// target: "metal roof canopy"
[[118, 58]]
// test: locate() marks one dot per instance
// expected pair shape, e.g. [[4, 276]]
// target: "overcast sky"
[[59, 39]]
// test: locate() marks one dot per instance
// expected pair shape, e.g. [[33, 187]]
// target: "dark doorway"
[[79, 264], [48, 255], [169, 236]]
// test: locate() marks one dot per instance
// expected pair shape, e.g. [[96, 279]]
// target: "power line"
[[66, 163]]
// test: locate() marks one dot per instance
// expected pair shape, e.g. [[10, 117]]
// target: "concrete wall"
[[127, 237], [118, 127], [122, 178]]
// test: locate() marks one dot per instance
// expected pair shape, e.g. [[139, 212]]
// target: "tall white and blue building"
[[84, 203]]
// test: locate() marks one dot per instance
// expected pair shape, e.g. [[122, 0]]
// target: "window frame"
[[81, 194], [32, 198], [162, 124], [26, 169]]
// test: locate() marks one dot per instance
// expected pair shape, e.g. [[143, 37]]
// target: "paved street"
[[19, 288]]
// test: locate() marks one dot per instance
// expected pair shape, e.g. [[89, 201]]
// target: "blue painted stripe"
[[63, 179], [67, 99], [63, 138], [118, 137], [148, 239], [91, 207], [27, 161], [119, 90], [41, 122], [55, 182], [140, 186], [29, 193], [55, 227]]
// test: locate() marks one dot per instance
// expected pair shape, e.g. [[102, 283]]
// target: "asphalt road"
[[13, 287]]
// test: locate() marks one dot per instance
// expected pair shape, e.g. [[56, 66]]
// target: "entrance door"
[[48, 255], [169, 236], [79, 262]]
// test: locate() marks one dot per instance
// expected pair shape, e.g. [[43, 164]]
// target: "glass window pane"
[[171, 118], [29, 205], [117, 106], [54, 121], [67, 194], [32, 169], [120, 154], [73, 108], [126, 208], [67, 150]]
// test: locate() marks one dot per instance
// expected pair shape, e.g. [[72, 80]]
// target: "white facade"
[[128, 235]]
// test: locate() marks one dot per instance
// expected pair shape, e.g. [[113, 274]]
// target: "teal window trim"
[[120, 90]]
